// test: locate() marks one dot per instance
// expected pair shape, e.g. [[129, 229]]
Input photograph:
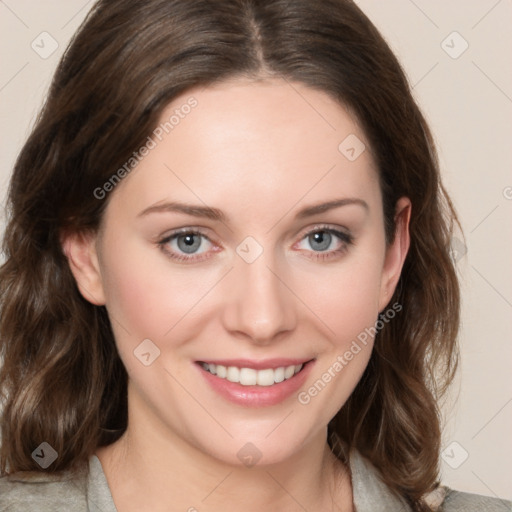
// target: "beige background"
[[468, 102]]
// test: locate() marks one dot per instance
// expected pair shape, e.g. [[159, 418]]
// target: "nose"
[[260, 307]]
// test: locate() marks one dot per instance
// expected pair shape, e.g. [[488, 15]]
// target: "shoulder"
[[42, 492], [82, 491], [456, 501], [372, 495]]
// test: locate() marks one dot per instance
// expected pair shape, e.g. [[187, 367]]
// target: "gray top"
[[44, 492]]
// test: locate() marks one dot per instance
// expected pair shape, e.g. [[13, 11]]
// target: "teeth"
[[233, 374], [279, 374], [222, 371], [251, 377], [289, 371], [265, 377], [248, 377]]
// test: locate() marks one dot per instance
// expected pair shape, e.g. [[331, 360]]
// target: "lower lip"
[[257, 396]]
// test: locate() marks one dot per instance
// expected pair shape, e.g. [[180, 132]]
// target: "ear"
[[396, 252], [81, 253]]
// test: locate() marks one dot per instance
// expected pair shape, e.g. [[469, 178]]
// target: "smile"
[[251, 376]]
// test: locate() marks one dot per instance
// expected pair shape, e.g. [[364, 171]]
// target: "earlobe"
[[81, 253], [396, 252]]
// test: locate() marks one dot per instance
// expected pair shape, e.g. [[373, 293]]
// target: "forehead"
[[243, 143]]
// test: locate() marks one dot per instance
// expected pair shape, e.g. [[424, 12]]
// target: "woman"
[[227, 280]]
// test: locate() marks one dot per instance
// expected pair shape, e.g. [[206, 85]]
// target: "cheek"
[[146, 300], [135, 298], [347, 297]]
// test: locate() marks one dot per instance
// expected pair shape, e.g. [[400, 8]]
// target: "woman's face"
[[248, 243]]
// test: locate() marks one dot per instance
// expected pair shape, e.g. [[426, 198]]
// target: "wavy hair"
[[62, 380]]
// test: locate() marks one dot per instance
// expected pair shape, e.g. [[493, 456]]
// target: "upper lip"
[[258, 365]]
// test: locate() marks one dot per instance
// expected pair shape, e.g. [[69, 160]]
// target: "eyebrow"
[[216, 214], [309, 211], [187, 209]]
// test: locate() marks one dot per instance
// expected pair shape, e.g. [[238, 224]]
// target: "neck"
[[153, 469]]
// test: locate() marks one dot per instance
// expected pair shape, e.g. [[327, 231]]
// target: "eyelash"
[[345, 238]]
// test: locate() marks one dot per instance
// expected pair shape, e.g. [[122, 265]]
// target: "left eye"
[[189, 243], [322, 241]]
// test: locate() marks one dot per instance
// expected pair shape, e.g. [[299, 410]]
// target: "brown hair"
[[62, 380]]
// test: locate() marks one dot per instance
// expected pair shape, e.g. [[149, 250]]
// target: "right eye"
[[185, 245]]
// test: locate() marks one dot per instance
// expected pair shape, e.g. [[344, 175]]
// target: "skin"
[[259, 151]]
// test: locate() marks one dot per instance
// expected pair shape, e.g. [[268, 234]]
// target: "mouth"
[[255, 383]]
